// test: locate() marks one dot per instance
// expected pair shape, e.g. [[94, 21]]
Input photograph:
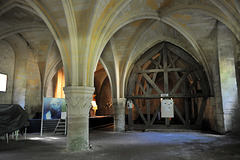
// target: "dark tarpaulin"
[[12, 118]]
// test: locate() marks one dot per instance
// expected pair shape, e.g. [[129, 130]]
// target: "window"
[[3, 82]]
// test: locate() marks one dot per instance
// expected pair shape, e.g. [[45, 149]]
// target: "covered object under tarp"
[[12, 118]]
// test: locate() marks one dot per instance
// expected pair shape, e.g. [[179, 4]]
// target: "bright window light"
[[3, 82]]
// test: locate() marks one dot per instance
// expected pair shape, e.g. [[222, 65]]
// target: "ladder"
[[61, 127]]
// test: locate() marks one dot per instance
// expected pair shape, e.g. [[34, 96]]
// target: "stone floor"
[[106, 144]]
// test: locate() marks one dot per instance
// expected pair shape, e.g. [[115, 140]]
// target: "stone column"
[[119, 114], [78, 100], [229, 93]]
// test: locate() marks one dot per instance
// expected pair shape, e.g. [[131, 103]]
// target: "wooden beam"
[[172, 61], [182, 54], [192, 85], [186, 103], [148, 111], [180, 81], [153, 79], [165, 62], [201, 112], [139, 112], [155, 115], [155, 96], [159, 61], [150, 53], [167, 70], [140, 85], [179, 114], [153, 61], [152, 83]]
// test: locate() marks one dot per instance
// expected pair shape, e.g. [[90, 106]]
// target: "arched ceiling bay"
[[17, 18]]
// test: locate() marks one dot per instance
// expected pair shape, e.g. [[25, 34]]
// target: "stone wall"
[[33, 88], [52, 87], [7, 60], [104, 99]]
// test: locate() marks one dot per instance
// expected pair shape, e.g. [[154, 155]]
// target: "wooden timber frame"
[[167, 71]]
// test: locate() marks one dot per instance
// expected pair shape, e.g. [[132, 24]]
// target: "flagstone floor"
[[108, 145]]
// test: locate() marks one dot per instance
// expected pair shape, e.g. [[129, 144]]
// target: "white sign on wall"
[[167, 110]]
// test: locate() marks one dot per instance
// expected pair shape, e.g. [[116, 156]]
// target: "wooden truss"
[[181, 77]]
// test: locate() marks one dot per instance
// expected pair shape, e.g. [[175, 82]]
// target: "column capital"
[[119, 100], [78, 99], [79, 89]]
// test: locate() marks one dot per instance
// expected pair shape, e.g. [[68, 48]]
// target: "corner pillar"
[[78, 100], [119, 114]]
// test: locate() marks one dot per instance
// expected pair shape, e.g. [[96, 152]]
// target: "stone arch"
[[166, 71]]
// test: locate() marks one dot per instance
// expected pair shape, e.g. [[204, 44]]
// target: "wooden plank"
[[139, 112], [180, 81], [152, 83], [201, 112], [179, 114]]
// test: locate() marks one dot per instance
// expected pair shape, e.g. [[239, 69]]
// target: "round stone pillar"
[[78, 99], [119, 114]]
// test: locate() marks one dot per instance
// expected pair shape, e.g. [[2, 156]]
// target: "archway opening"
[[102, 92], [167, 88]]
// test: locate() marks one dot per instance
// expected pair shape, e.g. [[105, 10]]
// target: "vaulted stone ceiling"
[[119, 31]]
